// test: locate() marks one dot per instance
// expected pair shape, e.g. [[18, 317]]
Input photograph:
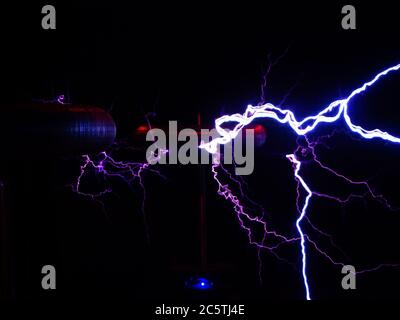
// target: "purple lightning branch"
[[128, 171], [246, 220], [108, 168], [333, 112]]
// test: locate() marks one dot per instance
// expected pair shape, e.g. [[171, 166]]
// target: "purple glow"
[[60, 99]]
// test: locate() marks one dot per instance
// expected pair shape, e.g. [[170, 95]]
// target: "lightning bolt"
[[336, 110]]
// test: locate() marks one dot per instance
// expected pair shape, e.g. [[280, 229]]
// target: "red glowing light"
[[142, 129]]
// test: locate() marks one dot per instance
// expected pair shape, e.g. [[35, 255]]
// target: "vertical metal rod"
[[203, 221], [5, 276]]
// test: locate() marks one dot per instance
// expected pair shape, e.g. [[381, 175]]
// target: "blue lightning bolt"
[[336, 110]]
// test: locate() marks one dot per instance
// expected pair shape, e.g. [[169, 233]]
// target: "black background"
[[178, 60]]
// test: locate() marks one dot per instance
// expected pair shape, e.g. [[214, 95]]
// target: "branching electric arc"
[[333, 112], [109, 168]]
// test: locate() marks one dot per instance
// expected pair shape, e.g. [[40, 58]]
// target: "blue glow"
[[199, 283]]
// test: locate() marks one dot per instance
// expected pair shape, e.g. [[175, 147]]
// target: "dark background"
[[179, 60]]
